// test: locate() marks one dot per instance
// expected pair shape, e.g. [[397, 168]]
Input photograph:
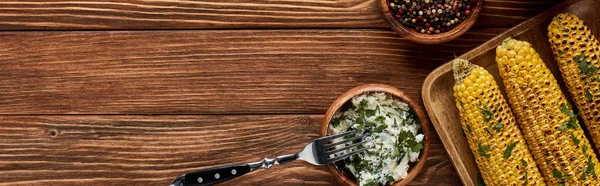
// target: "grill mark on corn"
[[581, 91], [539, 113], [501, 167]]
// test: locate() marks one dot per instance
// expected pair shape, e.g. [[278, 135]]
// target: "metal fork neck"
[[268, 162]]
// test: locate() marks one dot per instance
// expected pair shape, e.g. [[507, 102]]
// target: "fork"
[[318, 152]]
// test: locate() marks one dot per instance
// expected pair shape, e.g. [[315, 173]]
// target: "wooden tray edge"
[[447, 67]]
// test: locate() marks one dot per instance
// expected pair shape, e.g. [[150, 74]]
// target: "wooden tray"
[[437, 89]]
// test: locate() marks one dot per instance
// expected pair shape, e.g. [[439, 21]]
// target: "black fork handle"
[[211, 176], [220, 174]]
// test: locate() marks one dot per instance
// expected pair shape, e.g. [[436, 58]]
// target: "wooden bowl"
[[430, 39], [339, 102]]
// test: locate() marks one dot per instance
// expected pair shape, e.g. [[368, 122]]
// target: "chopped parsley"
[[335, 122], [381, 128], [589, 169], [563, 127], [575, 140], [498, 126], [584, 149], [560, 175], [560, 52], [480, 181], [572, 123], [483, 149], [394, 136], [488, 131], [369, 112], [589, 95], [585, 66], [417, 147], [381, 120], [390, 179], [509, 149], [487, 114], [469, 129], [524, 163], [363, 103]]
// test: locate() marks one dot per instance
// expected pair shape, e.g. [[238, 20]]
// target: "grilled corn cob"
[[491, 129], [550, 128], [577, 52]]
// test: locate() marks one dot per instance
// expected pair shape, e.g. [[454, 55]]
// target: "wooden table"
[[132, 92]]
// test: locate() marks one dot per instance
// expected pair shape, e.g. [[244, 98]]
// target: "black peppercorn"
[[431, 16]]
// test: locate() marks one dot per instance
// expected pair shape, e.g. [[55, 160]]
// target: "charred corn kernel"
[[577, 52], [549, 126], [490, 127]]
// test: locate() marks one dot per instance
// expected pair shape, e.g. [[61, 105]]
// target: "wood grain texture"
[[152, 150], [208, 72], [437, 89], [281, 80], [223, 14]]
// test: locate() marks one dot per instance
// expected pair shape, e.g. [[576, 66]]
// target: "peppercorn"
[[431, 16]]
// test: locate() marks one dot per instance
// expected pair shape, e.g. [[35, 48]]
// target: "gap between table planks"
[[152, 150], [228, 14]]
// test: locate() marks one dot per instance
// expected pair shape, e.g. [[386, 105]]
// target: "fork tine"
[[329, 138], [347, 140], [338, 158], [345, 148]]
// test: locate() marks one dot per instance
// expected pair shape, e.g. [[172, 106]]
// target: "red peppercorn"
[[454, 8], [468, 7], [467, 12], [438, 27]]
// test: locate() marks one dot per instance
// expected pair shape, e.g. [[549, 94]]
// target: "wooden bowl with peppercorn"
[[394, 129], [431, 21]]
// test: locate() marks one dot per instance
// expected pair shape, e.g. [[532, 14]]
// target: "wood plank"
[[219, 14], [208, 72], [152, 150]]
